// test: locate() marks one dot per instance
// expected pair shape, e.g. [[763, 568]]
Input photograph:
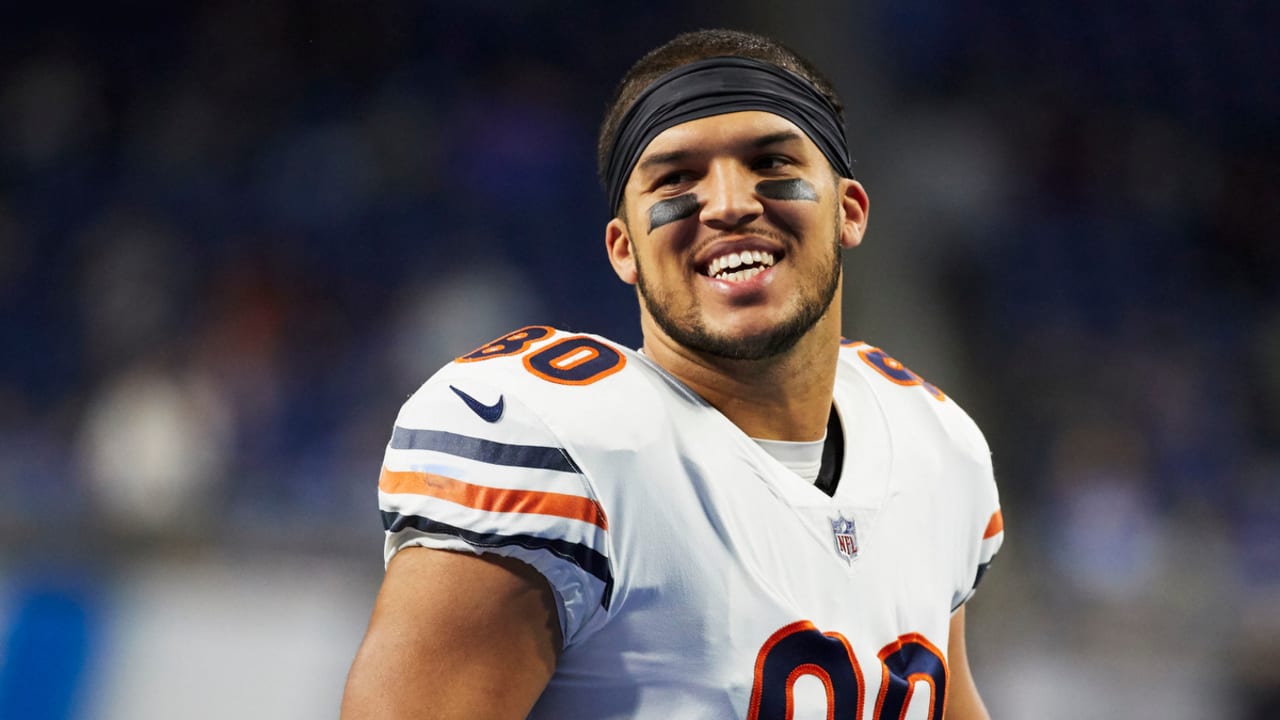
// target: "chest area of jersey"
[[870, 573], [799, 603], [758, 548]]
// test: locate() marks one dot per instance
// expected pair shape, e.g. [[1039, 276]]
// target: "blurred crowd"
[[1121, 307], [234, 236]]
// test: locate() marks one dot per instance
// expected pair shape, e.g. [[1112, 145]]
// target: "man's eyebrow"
[[775, 138], [662, 159]]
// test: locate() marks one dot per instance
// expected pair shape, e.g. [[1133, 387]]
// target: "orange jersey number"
[[574, 360], [896, 372]]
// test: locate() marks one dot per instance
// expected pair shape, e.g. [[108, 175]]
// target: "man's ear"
[[617, 241], [854, 208]]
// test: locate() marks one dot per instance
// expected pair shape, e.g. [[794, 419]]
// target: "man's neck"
[[787, 397]]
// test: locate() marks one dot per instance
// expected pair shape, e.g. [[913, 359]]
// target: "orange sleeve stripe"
[[493, 499], [995, 526]]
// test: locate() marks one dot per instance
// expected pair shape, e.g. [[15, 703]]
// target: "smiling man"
[[748, 518]]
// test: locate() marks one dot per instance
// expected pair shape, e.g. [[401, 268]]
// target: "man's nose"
[[731, 199]]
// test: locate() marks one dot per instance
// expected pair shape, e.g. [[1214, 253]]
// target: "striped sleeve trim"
[[492, 499], [995, 525], [992, 539], [537, 457], [584, 557]]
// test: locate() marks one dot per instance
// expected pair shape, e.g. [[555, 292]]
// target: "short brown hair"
[[692, 47]]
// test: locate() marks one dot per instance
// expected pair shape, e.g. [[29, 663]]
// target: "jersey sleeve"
[[983, 520], [470, 468], [974, 519]]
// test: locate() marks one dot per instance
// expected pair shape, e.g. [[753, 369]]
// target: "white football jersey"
[[695, 576]]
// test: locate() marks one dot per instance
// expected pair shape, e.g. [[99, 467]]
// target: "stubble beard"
[[690, 331]]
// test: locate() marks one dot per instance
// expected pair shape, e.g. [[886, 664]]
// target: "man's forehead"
[[751, 127]]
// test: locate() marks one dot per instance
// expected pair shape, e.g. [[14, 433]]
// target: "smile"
[[739, 266]]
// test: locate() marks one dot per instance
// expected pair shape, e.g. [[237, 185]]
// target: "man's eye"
[[673, 178], [771, 162]]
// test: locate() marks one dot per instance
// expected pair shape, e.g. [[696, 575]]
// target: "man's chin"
[[746, 334], [740, 343]]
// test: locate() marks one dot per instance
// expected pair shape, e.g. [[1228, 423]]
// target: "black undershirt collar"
[[832, 455]]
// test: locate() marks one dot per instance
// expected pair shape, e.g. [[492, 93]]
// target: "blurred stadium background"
[[235, 235]]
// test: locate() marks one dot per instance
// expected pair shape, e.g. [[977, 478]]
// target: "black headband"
[[716, 86]]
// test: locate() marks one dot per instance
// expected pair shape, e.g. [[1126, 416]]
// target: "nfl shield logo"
[[846, 538]]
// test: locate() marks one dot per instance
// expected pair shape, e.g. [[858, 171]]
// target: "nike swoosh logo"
[[488, 413]]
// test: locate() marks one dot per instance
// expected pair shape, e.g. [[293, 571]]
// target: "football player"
[[748, 517]]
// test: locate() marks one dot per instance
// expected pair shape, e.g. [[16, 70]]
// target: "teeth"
[[759, 259], [741, 275]]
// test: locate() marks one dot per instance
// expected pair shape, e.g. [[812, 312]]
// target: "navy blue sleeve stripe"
[[982, 570], [577, 553], [536, 457]]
